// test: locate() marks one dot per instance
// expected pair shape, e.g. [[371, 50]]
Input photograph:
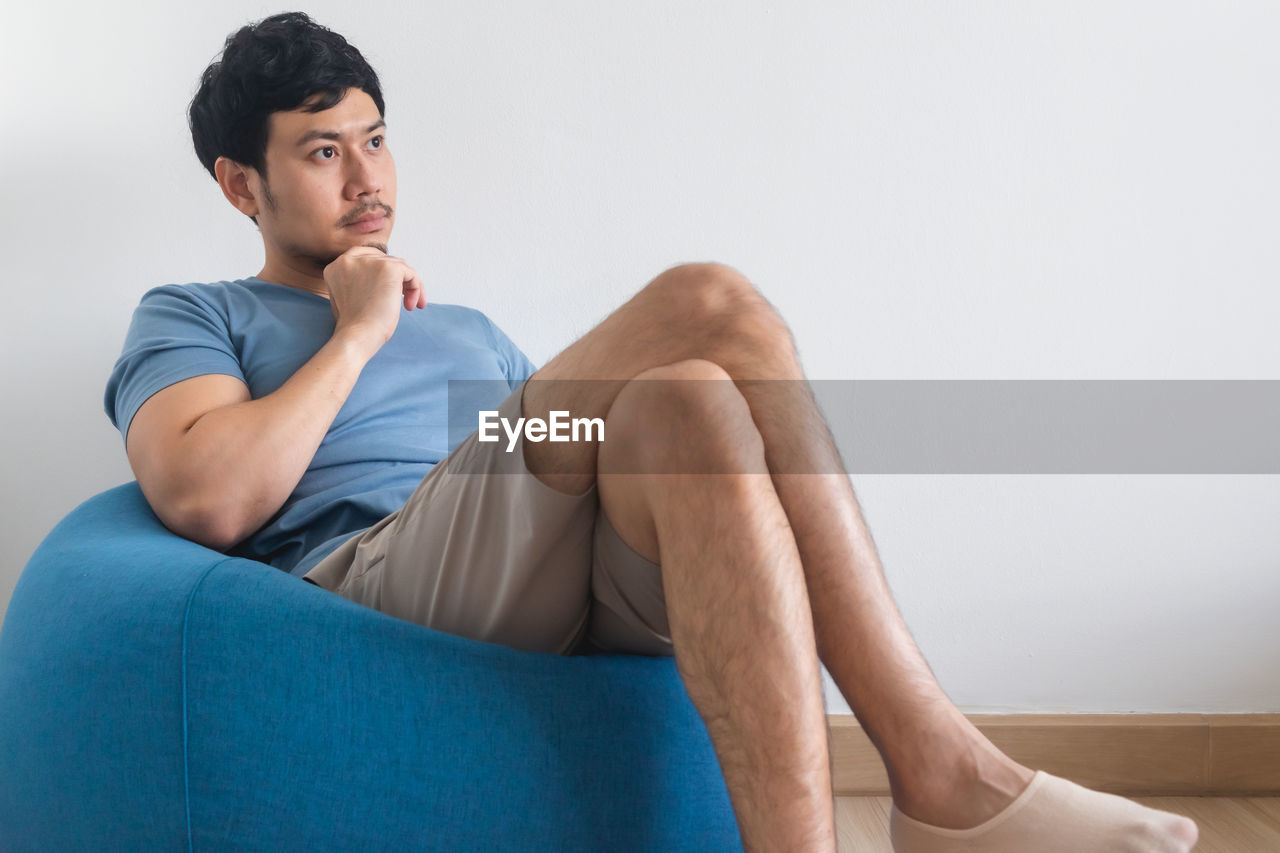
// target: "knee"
[[723, 311], [684, 417], [707, 287]]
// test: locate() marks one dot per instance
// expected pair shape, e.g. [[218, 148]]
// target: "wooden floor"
[[1227, 824]]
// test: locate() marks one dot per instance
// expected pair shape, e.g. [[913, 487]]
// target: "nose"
[[363, 177]]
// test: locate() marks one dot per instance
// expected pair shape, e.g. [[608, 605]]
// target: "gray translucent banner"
[[929, 426]]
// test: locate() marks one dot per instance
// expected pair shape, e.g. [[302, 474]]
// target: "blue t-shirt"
[[392, 429]]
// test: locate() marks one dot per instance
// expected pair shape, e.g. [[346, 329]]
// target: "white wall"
[[978, 190]]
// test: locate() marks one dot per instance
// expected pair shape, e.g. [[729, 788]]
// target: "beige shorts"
[[502, 557]]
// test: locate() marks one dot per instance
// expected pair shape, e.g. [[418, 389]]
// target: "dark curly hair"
[[274, 65]]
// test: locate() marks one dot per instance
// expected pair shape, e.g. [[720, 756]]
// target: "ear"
[[234, 179]]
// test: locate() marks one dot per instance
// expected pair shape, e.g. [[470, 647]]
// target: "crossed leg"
[[739, 616], [760, 572]]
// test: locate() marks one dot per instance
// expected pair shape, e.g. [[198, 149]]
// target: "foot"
[[996, 805], [975, 790]]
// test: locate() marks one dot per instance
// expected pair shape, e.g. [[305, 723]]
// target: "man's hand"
[[366, 289]]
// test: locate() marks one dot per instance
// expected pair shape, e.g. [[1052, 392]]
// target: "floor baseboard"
[[1149, 755]]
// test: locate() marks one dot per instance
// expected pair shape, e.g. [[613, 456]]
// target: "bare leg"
[[933, 756], [941, 769], [736, 600]]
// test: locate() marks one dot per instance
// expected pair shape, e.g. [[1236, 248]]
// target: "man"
[[299, 417]]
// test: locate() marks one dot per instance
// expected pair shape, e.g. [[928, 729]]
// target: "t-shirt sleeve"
[[519, 367], [175, 334]]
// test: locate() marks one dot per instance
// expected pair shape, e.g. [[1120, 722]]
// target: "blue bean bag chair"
[[158, 695]]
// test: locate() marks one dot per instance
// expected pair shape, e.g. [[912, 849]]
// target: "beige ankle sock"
[[1053, 815]]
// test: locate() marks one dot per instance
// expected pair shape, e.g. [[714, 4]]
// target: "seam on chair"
[[186, 768]]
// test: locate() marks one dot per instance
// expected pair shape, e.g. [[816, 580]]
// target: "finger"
[[414, 288], [410, 293], [422, 291], [421, 295]]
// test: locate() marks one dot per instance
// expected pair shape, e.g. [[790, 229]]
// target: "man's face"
[[324, 171]]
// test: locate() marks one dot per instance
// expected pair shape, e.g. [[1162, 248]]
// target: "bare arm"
[[215, 464], [218, 478]]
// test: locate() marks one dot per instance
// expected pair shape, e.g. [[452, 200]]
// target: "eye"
[[379, 140], [329, 148]]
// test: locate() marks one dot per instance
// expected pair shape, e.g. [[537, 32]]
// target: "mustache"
[[384, 209]]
